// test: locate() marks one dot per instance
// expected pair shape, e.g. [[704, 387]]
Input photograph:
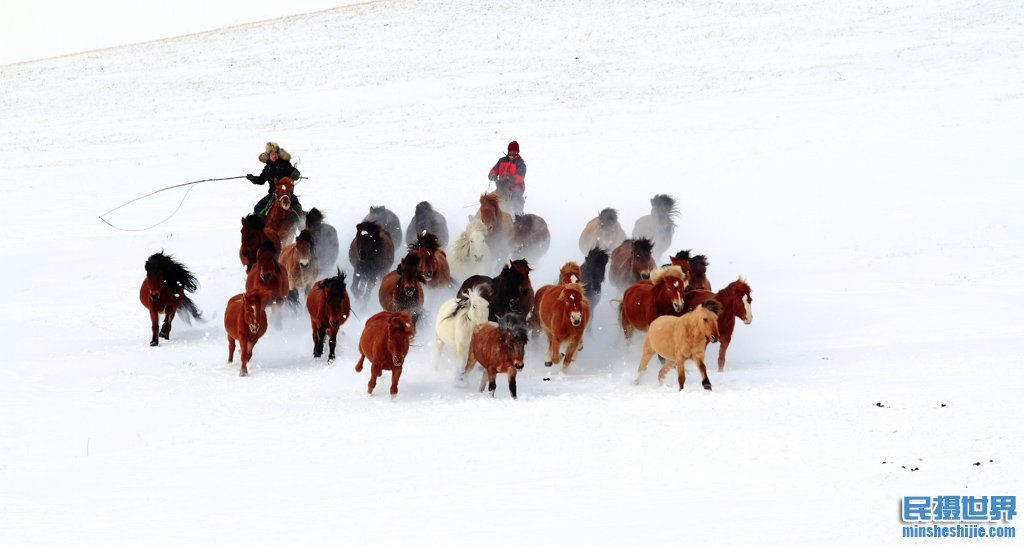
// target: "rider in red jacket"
[[508, 172]]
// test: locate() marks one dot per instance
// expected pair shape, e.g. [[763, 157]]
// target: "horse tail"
[[191, 311]]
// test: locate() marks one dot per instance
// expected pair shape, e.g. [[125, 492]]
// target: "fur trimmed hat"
[[273, 147], [513, 147]]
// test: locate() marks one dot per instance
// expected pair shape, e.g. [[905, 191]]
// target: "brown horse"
[[530, 237], [254, 232], [433, 260], [268, 276], [499, 224], [677, 339], [499, 348], [631, 262], [165, 290], [696, 267], [647, 300], [604, 232], [281, 217], [402, 289], [299, 262], [568, 274], [385, 341], [563, 314], [659, 225], [736, 304], [329, 308], [245, 320], [371, 253]]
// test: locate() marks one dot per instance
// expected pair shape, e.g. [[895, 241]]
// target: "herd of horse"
[[289, 254]]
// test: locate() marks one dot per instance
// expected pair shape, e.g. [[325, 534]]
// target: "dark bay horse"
[[696, 267], [659, 225], [735, 301], [631, 262], [433, 260], [268, 276], [592, 272], [647, 300], [254, 232], [245, 321], [530, 237], [509, 292], [603, 232], [385, 342], [371, 253], [402, 289], [325, 239], [165, 290], [281, 216], [388, 220], [499, 348], [429, 220], [329, 307]]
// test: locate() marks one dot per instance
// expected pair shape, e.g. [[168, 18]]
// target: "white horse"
[[469, 254], [456, 320]]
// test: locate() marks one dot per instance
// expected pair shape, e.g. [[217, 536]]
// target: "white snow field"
[[858, 163]]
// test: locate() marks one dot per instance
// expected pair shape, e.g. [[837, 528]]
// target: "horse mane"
[[253, 221], [381, 209], [525, 220], [490, 199], [175, 273], [369, 226], [423, 212], [643, 244], [512, 323], [713, 306], [427, 241], [307, 236], [411, 262], [665, 206], [739, 286], [698, 263], [597, 258], [335, 286], [683, 255], [607, 216], [659, 275], [522, 265], [314, 219], [269, 246]]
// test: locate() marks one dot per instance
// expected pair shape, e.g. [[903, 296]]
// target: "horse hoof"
[[243, 373], [707, 386], [154, 343], [548, 364], [330, 361]]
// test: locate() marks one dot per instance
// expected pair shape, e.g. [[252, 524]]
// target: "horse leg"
[[375, 370], [231, 349], [645, 357], [722, 348], [492, 383], [470, 362], [318, 341], [331, 344], [165, 331], [246, 347], [668, 366], [395, 374], [703, 373], [512, 382], [570, 350], [359, 365], [154, 318], [552, 356]]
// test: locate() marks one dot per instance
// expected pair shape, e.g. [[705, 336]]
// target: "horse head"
[[426, 246], [369, 240], [399, 336], [640, 258], [284, 189], [514, 337], [477, 308], [572, 300], [706, 318], [490, 210], [254, 310], [409, 277], [672, 281], [304, 248], [337, 303], [155, 276], [739, 290], [266, 261], [569, 273]]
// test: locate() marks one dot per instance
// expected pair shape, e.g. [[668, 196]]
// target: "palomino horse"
[[631, 262], [499, 226], [659, 225], [469, 254], [427, 219], [254, 232], [456, 320], [402, 289], [592, 275], [677, 339], [647, 300], [300, 264], [325, 239], [385, 341], [281, 217], [268, 276], [165, 290], [388, 220], [530, 237], [696, 267], [433, 260], [245, 320], [329, 308], [499, 348], [563, 314], [736, 304], [604, 232], [510, 292], [371, 254]]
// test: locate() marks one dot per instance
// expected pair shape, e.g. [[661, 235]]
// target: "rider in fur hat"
[[278, 165]]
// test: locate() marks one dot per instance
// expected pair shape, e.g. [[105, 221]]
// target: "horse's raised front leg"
[[722, 348], [154, 319]]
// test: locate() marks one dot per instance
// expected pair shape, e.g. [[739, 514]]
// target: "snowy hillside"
[[857, 163]]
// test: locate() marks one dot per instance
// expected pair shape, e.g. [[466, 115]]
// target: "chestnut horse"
[[456, 320], [592, 274], [563, 314], [385, 341], [469, 254], [268, 276], [568, 274], [299, 262], [647, 300], [696, 267], [165, 290], [329, 308], [736, 304], [499, 225], [603, 232], [433, 260], [325, 239], [245, 320], [427, 219], [677, 339], [281, 217], [659, 225], [530, 237], [254, 232], [402, 289], [388, 220], [510, 292], [631, 262], [499, 348], [371, 253]]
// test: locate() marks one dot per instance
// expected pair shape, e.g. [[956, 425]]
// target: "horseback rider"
[[509, 172], [278, 165]]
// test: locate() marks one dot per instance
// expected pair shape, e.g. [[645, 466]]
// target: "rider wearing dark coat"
[[278, 165]]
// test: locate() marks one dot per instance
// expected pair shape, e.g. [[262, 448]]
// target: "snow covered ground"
[[858, 163]]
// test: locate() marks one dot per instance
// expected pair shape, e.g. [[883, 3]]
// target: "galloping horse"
[[511, 291], [499, 348], [433, 260], [645, 301], [530, 237], [696, 267], [329, 308], [659, 225], [371, 254], [385, 341], [402, 289], [300, 264], [456, 320], [592, 275], [268, 276], [427, 219], [499, 225], [563, 314], [631, 262], [281, 217], [677, 339], [165, 290], [736, 304], [603, 232], [254, 232], [325, 239], [245, 321], [388, 220], [469, 254]]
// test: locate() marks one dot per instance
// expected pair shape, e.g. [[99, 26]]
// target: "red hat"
[[513, 147]]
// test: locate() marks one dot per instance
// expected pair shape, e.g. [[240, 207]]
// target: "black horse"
[[510, 292], [371, 253]]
